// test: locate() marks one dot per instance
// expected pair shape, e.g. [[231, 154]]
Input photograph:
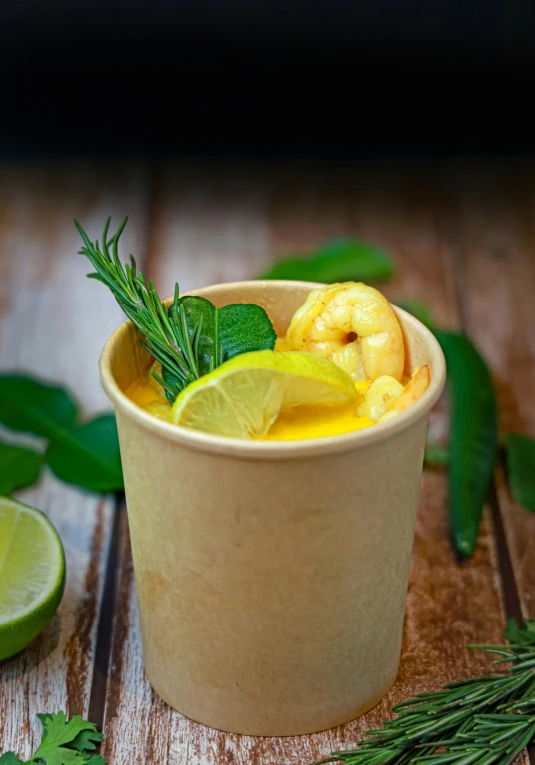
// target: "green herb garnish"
[[88, 455], [167, 337], [482, 721], [84, 454], [226, 332], [63, 742], [520, 450], [473, 442], [186, 340], [339, 260], [420, 310], [19, 467], [32, 406], [473, 437]]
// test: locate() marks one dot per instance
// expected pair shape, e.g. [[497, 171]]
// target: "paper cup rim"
[[275, 450]]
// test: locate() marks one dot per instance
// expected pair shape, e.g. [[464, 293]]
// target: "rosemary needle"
[[167, 336], [482, 721]]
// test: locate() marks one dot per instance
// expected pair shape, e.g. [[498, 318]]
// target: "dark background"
[[328, 78]]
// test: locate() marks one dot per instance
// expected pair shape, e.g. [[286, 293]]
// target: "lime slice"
[[243, 397], [32, 574]]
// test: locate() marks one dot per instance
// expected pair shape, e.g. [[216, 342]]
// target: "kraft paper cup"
[[271, 577]]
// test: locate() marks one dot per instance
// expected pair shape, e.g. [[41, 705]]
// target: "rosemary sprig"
[[482, 721], [167, 336]]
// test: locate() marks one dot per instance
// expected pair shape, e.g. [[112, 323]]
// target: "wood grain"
[[209, 226], [53, 323], [205, 236], [496, 241]]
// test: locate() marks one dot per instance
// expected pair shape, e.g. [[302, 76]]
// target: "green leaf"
[[86, 740], [520, 452], [43, 717], [63, 742], [10, 758], [437, 455], [33, 407], [340, 260], [19, 467], [524, 636], [244, 328], [57, 730], [473, 437], [241, 328], [420, 310], [199, 309], [88, 455], [60, 755], [59, 735]]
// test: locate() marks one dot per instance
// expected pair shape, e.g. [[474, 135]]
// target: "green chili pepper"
[[473, 437]]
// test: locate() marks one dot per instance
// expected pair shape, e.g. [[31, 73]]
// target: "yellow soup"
[[316, 422], [302, 422]]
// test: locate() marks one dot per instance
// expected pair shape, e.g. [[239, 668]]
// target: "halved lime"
[[32, 574], [243, 397]]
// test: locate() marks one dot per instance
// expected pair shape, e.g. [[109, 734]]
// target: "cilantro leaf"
[[523, 636], [60, 755], [86, 741], [43, 716], [10, 758], [63, 742], [60, 735], [58, 730]]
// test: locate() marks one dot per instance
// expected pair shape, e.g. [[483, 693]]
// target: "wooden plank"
[[53, 323], [496, 241], [208, 227], [448, 605]]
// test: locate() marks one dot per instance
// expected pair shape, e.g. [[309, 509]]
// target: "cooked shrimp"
[[380, 397], [353, 325], [387, 397], [417, 385]]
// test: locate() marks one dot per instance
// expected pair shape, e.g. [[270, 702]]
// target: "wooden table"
[[464, 240]]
